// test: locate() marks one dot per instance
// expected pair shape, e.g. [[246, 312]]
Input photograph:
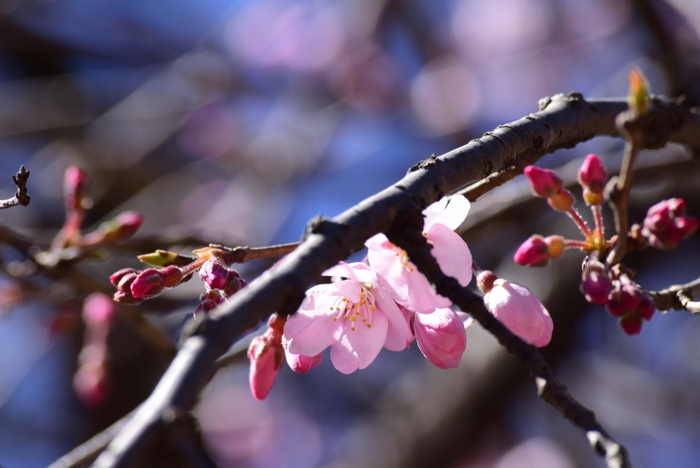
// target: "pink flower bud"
[[631, 324], [209, 300], [117, 276], [666, 224], [214, 273], [592, 175], [441, 337], [123, 226], [266, 355], [234, 285], [563, 200], [302, 364], [125, 297], [520, 311], [544, 183], [533, 252], [74, 188], [596, 285], [149, 283]]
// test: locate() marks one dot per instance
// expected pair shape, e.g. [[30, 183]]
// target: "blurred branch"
[[408, 237], [21, 197], [564, 121], [678, 297]]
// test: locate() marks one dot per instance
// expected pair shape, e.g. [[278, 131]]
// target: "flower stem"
[[580, 223], [599, 227], [570, 244]]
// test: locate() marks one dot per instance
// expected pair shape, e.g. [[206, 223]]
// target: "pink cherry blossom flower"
[[519, 310], [298, 362], [352, 316], [441, 337], [406, 285]]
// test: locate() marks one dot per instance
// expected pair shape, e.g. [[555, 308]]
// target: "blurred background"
[[236, 122]]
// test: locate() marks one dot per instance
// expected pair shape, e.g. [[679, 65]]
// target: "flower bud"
[[125, 297], [266, 354], [234, 285], [209, 300], [638, 97], [149, 283], [533, 252], [666, 224], [74, 188], [596, 285], [631, 324], [117, 276], [214, 274], [441, 337], [592, 177], [520, 311], [543, 182], [646, 308], [123, 226]]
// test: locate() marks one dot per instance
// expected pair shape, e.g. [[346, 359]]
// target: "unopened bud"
[[214, 274], [266, 355], [596, 285], [556, 246], [592, 175], [666, 224], [172, 276], [117, 276], [638, 98], [533, 252], [209, 300], [631, 324], [74, 188], [543, 182], [149, 283]]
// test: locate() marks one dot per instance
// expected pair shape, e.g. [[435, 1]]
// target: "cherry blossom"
[[353, 316], [400, 277], [441, 337]]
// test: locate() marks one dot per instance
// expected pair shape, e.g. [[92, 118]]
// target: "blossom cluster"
[[664, 226], [385, 302]]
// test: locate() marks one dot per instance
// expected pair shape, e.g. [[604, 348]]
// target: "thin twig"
[[678, 297], [618, 189], [563, 122], [21, 197], [244, 254]]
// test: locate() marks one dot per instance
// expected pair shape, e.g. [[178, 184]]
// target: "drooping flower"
[[353, 316], [517, 308], [398, 275], [441, 337]]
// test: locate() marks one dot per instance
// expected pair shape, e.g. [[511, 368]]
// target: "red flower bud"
[[266, 354], [149, 283], [631, 324], [646, 309], [209, 300], [74, 188], [544, 183], [485, 280], [666, 224], [117, 276], [214, 274], [533, 252], [124, 225], [592, 175], [172, 276], [596, 285]]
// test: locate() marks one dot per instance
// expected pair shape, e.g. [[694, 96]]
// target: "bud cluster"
[[134, 286], [621, 296], [221, 282], [666, 224]]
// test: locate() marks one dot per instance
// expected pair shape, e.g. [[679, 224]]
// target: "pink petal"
[[356, 349], [398, 335], [519, 310], [450, 212], [311, 331], [441, 337], [302, 364], [451, 253]]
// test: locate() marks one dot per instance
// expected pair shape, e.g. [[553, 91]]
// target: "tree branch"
[[21, 197], [563, 122]]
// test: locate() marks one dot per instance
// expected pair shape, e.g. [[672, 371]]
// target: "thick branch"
[[564, 121]]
